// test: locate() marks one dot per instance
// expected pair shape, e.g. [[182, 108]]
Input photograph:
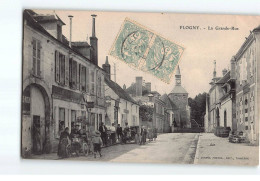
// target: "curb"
[[187, 158], [196, 158]]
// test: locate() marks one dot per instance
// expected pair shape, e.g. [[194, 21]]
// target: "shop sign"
[[90, 105]]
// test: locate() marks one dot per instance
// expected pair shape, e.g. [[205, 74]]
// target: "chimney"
[[233, 68], [124, 87], [148, 86], [70, 17], [214, 72], [94, 42], [224, 71], [139, 84], [106, 68]]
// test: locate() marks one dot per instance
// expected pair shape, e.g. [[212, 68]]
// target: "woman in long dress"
[[63, 151]]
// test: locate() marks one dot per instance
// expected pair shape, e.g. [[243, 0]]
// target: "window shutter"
[[102, 86], [57, 70], [38, 57], [34, 56], [42, 64], [87, 79], [66, 70], [77, 77]]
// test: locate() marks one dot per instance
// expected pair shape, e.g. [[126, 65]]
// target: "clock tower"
[[179, 96]]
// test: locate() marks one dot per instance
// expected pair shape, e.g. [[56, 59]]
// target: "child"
[[97, 142]]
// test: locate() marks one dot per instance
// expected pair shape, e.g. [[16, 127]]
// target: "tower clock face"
[[178, 81]]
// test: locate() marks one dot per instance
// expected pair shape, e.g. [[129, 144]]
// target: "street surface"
[[213, 150], [168, 148]]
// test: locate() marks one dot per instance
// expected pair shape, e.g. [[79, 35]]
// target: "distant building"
[[62, 84], [141, 92], [120, 107], [219, 105]]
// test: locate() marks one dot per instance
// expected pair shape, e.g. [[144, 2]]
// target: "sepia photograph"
[[139, 87]]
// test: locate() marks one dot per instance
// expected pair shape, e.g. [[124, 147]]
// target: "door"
[[225, 119], [36, 132]]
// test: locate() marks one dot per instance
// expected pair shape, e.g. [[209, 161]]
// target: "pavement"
[[213, 150], [177, 148]]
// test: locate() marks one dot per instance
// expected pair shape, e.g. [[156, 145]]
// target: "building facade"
[[233, 99], [247, 69], [59, 84], [120, 107]]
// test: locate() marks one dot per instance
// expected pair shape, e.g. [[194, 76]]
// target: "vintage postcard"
[[140, 87]]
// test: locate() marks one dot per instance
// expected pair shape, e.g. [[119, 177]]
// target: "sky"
[[202, 46]]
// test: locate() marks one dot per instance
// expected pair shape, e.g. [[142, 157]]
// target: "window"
[[116, 115], [92, 79], [59, 67], [59, 34], [61, 120], [36, 57], [99, 85], [246, 110], [83, 78], [246, 102], [73, 69], [246, 127], [73, 118], [246, 119], [87, 79]]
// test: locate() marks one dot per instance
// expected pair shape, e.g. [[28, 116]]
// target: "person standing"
[[113, 133], [119, 132], [154, 134], [63, 143], [103, 130], [97, 142], [142, 133]]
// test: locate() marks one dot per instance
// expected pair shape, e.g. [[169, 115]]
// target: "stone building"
[[220, 102], [179, 96], [120, 107], [61, 84], [247, 69]]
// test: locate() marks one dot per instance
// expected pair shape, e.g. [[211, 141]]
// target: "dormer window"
[[59, 32]]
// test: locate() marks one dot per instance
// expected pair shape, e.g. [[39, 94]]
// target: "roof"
[[132, 90], [224, 79], [119, 91], [29, 16], [178, 89], [47, 17], [169, 104], [246, 42], [80, 44]]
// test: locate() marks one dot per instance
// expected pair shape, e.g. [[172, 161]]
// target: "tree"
[[198, 108]]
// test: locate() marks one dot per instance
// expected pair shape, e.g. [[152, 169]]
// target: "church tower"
[[179, 96]]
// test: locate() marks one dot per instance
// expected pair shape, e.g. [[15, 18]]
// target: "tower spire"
[[178, 77]]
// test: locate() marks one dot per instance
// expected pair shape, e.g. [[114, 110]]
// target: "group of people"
[[79, 140], [149, 133], [86, 141]]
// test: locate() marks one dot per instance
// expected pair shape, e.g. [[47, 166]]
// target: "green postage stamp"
[[147, 51]]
